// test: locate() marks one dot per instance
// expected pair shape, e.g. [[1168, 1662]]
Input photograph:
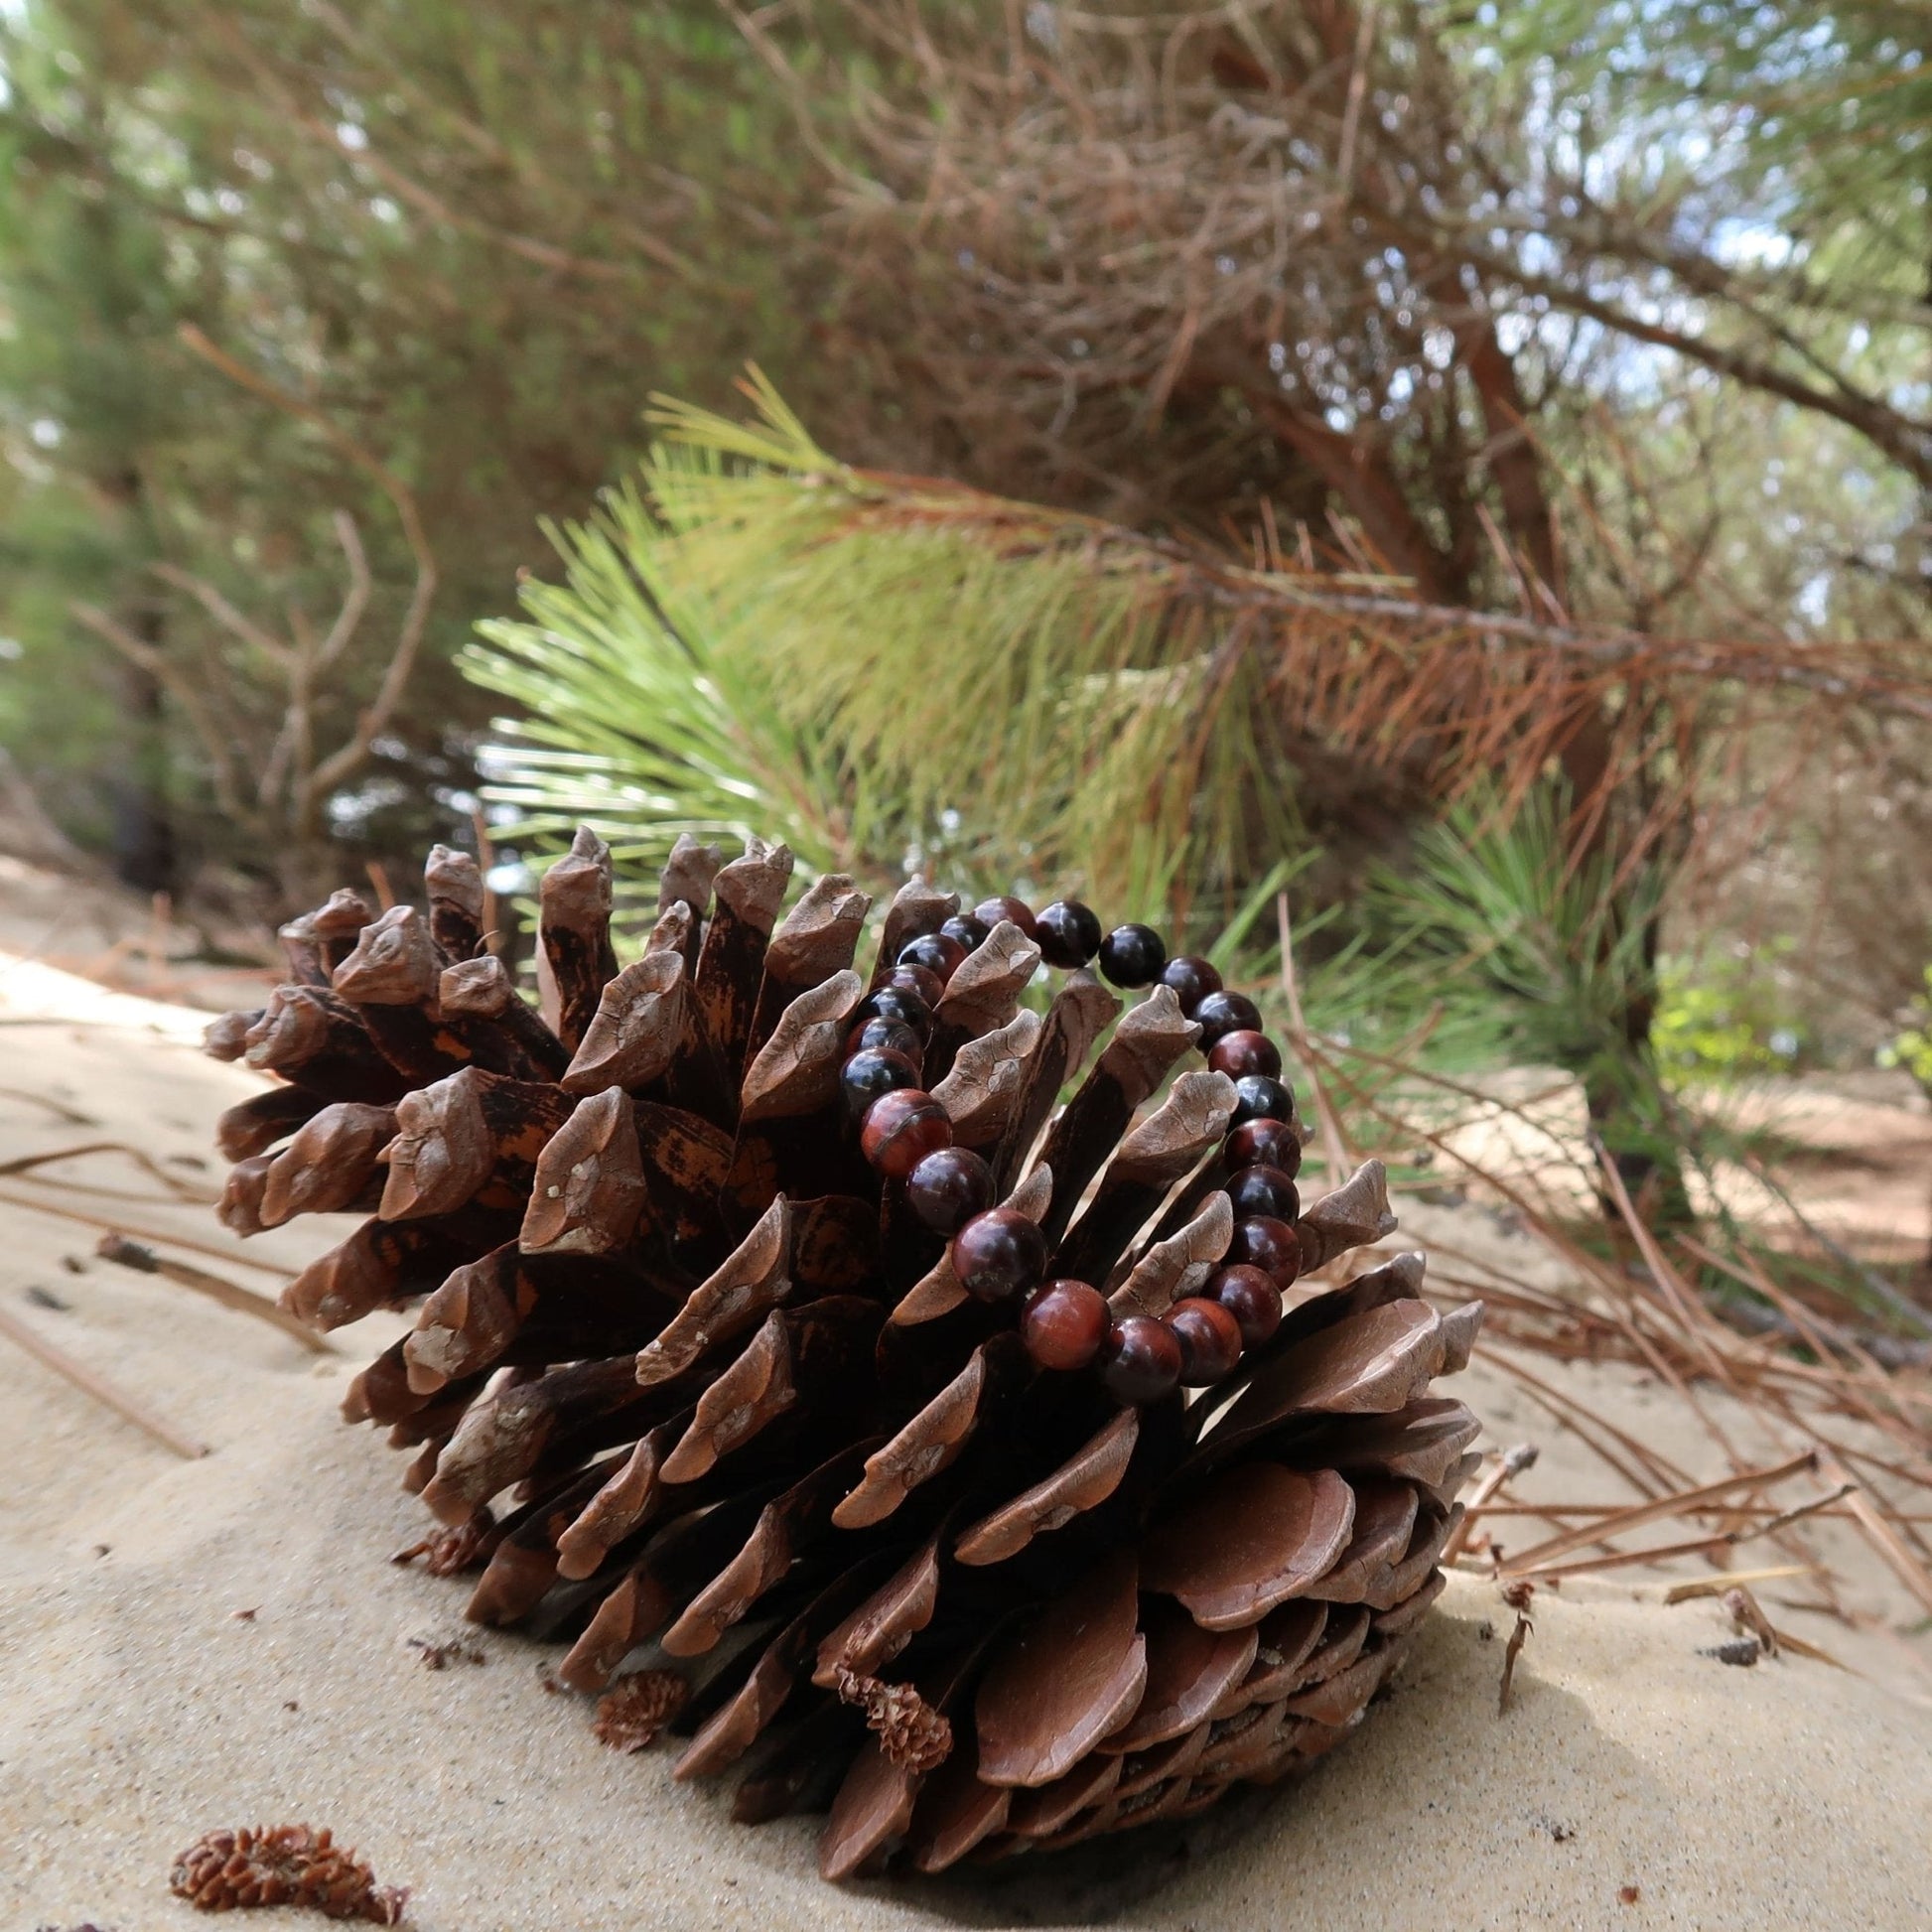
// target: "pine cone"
[[795, 1336], [287, 1865]]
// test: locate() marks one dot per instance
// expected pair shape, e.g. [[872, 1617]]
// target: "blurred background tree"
[[1600, 317]]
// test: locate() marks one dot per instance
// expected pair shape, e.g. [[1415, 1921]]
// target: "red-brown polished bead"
[[1210, 1338], [1245, 1051], [901, 1128], [1063, 1325], [938, 952], [990, 911], [1140, 1361], [1268, 1244], [946, 1190], [1264, 1144], [1250, 1297], [1264, 1190], [1191, 979], [889, 1035], [920, 981], [999, 1255]]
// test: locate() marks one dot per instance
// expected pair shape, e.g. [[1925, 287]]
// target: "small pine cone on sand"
[[283, 1865]]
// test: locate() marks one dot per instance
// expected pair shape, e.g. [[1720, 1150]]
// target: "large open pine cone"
[[693, 1378]]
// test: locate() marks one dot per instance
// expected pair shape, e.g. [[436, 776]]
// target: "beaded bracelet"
[[999, 1255]]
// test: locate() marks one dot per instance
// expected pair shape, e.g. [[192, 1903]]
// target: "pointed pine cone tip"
[[342, 916], [1148, 1039], [1084, 1481], [796, 1071], [1354, 1215], [867, 1639], [687, 875], [820, 933], [1184, 1128], [754, 1388], [987, 984], [443, 1151], [329, 1161], [1174, 1268], [574, 893], [479, 988], [638, 1028], [979, 1091], [745, 1289], [457, 877], [589, 1192], [753, 886], [394, 963]]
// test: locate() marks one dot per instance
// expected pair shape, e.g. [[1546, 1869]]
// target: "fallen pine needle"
[[232, 1294], [92, 1383], [1717, 1585], [1517, 1595]]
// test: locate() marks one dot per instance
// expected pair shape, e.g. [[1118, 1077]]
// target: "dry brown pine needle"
[[911, 1731], [282, 1865], [1517, 1595], [636, 1707]]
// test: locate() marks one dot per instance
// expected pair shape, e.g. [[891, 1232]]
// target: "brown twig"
[[143, 1260]]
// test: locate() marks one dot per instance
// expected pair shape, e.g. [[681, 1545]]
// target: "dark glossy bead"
[[1221, 1014], [968, 928], [867, 1076], [897, 1003], [1210, 1338], [999, 1255], [1068, 933], [1133, 955], [1262, 1242], [1192, 980], [992, 910], [921, 982], [1256, 1098], [1264, 1191], [1063, 1325], [1140, 1361], [1250, 1297], [1264, 1144], [901, 1129], [946, 1190], [935, 952], [1244, 1051], [893, 1036]]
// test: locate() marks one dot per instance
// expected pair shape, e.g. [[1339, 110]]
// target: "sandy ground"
[[1635, 1781]]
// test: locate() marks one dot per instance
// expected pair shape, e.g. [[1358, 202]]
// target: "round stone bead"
[[921, 982], [1242, 1052], [947, 1189], [1221, 1014], [1140, 1361], [990, 911], [1067, 933], [1262, 1242], [968, 928], [935, 952], [1264, 1144], [1063, 1325], [1250, 1297], [1133, 955], [869, 1075], [1210, 1338], [1256, 1098], [901, 1129], [1192, 980], [999, 1255], [893, 1036], [1264, 1190], [901, 1003]]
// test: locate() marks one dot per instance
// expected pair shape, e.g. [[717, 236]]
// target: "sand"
[[1636, 1780]]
